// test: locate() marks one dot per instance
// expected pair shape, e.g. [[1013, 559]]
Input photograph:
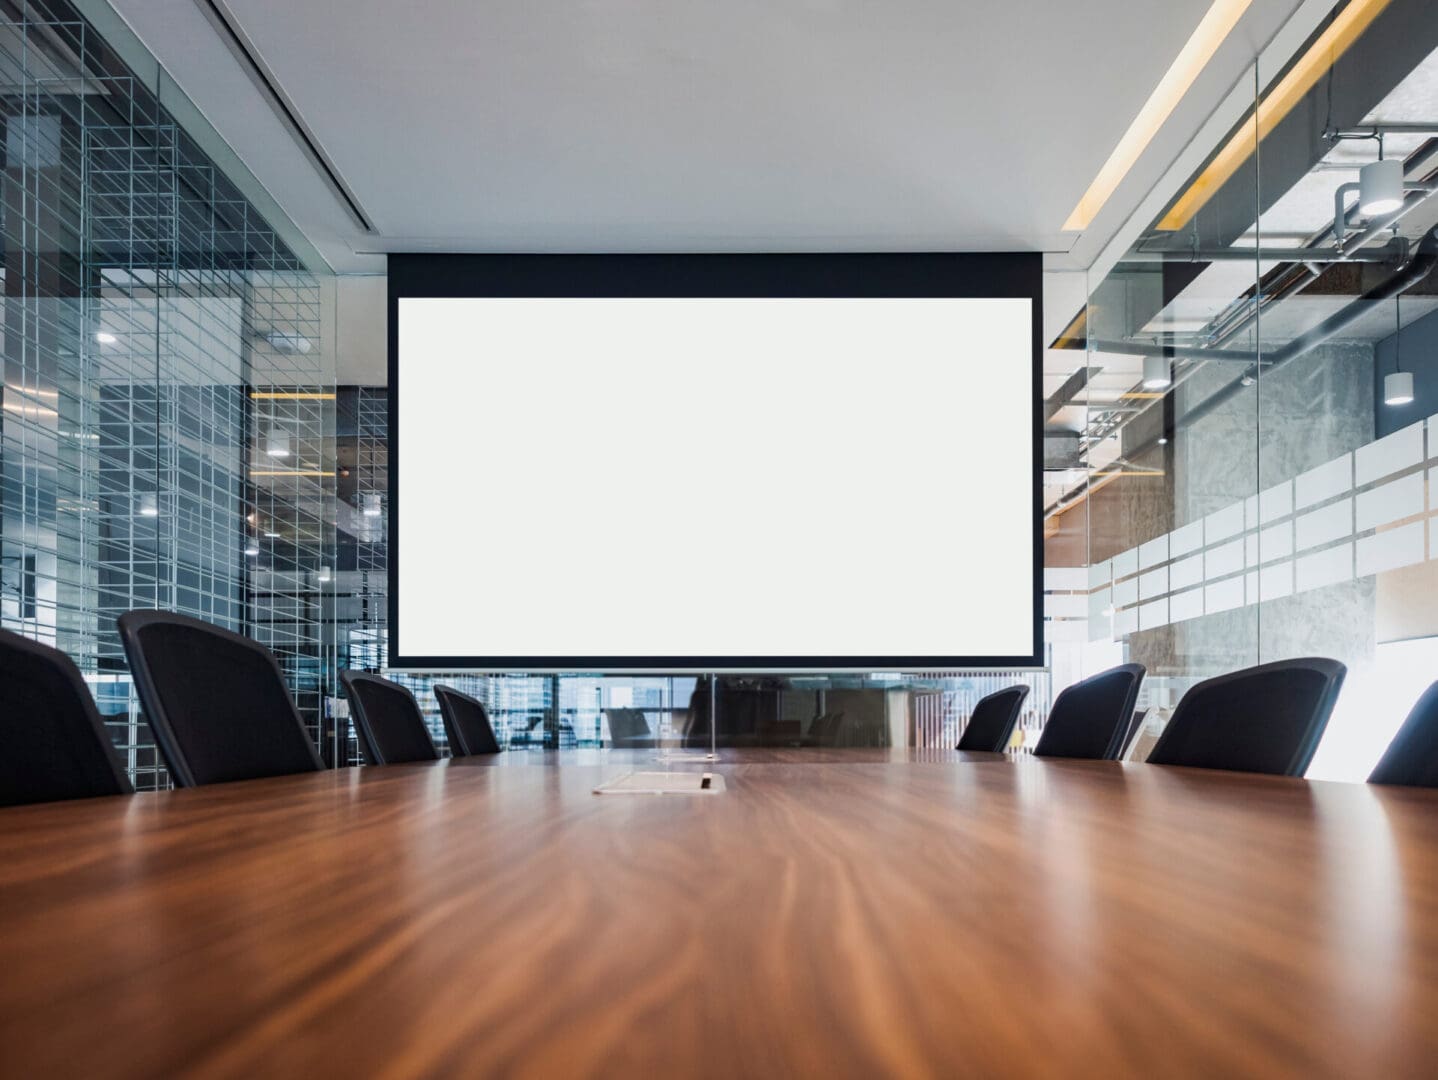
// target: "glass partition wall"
[[1249, 480], [167, 433]]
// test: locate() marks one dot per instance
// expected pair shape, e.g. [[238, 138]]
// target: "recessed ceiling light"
[[104, 337], [1212, 29]]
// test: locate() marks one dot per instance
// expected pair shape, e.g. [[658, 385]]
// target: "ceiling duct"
[[1414, 273]]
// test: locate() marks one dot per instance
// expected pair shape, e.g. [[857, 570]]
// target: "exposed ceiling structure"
[[636, 125], [1186, 291]]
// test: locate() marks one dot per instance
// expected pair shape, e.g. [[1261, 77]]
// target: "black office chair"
[[466, 721], [1264, 719], [388, 723], [991, 724], [1412, 756], [215, 700], [1090, 719], [53, 743]]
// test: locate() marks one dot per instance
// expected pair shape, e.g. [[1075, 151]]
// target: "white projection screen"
[[714, 463]]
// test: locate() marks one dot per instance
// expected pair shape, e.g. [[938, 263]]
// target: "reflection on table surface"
[[844, 917], [680, 755]]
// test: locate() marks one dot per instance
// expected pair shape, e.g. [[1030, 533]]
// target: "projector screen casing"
[[819, 276]]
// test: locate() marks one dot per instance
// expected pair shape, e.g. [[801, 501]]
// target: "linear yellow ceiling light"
[[1194, 56], [1276, 104], [290, 395]]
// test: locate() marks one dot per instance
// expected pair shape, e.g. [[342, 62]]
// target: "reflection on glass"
[[1271, 500], [143, 297]]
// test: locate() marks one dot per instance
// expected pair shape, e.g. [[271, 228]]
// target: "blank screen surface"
[[609, 483]]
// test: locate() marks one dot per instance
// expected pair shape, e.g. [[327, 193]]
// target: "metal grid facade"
[[160, 345]]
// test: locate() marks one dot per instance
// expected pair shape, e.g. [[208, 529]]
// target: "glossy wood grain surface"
[[854, 919]]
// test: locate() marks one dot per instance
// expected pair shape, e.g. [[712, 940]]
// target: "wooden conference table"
[[839, 913]]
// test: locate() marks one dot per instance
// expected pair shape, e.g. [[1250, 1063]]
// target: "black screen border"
[[881, 275]]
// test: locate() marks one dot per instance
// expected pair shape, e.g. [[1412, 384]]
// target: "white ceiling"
[[643, 125]]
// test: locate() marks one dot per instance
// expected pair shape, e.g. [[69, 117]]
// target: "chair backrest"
[[1090, 719], [627, 726], [466, 722], [1264, 719], [388, 723], [53, 743], [826, 726], [1412, 756], [991, 724], [215, 700]]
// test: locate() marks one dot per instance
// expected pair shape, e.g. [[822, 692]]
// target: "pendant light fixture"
[[1380, 187], [1398, 388], [1398, 384], [1156, 373]]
